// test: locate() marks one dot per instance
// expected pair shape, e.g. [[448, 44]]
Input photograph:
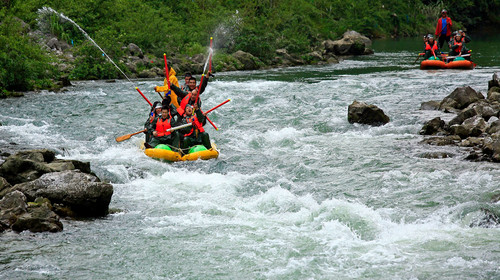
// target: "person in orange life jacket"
[[430, 47], [150, 124], [457, 47], [194, 135], [161, 135], [464, 39], [190, 96], [185, 86], [443, 29]]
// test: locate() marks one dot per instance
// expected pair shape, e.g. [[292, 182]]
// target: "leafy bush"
[[23, 64]]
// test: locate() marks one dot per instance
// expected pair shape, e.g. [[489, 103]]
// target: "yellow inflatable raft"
[[163, 152]]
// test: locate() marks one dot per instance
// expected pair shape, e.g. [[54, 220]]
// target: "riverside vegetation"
[[36, 50]]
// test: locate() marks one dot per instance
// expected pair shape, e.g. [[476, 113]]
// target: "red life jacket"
[[162, 126], [459, 44], [182, 107], [428, 46], [196, 125]]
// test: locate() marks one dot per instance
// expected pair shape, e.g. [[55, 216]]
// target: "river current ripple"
[[297, 192]]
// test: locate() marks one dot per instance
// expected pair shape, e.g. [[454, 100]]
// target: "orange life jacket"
[[162, 126], [196, 125], [459, 44], [182, 107], [428, 46]]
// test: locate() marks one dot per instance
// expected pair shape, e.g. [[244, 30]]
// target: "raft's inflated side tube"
[[164, 152], [460, 63], [200, 152], [431, 63]]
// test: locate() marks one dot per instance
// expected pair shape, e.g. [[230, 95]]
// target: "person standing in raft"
[[150, 124], [431, 47], [195, 134], [161, 135], [443, 29]]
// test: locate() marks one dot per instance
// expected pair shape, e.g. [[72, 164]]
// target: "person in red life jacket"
[[150, 124], [195, 134], [457, 46], [431, 48], [190, 96], [443, 29], [161, 135]]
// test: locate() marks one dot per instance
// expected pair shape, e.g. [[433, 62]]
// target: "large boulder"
[[495, 81], [249, 61], [29, 165], [460, 98], [38, 219], [433, 126], [351, 43], [134, 50], [360, 112], [12, 206], [83, 193]]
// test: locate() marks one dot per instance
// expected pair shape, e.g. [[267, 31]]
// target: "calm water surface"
[[297, 192]]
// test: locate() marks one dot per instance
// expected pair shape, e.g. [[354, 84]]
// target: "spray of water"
[[210, 53], [48, 10]]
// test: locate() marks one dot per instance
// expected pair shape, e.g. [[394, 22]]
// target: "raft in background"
[[457, 63], [163, 152]]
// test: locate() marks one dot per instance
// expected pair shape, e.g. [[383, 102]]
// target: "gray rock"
[[436, 155], [432, 127], [83, 193], [360, 112], [4, 187], [12, 205], [475, 126], [494, 127], [38, 219], [442, 140], [248, 61], [351, 43], [459, 130], [134, 50], [494, 94], [462, 116], [460, 98], [495, 81], [430, 105]]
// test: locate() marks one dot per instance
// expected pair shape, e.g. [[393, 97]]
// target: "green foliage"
[[184, 27], [92, 64], [23, 64]]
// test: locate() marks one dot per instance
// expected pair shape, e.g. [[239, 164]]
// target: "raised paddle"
[[126, 137], [206, 112]]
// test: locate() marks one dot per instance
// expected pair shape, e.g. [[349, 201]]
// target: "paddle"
[[126, 137], [458, 56], [420, 54], [143, 96], [217, 106]]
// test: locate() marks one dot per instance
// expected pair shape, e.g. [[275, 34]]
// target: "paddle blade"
[[123, 137]]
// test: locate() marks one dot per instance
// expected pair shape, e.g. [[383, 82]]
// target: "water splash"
[[210, 53], [49, 10]]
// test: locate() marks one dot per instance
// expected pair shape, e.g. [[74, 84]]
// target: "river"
[[297, 192]]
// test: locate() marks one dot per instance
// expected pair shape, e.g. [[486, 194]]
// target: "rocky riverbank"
[[37, 190], [143, 65], [475, 126]]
